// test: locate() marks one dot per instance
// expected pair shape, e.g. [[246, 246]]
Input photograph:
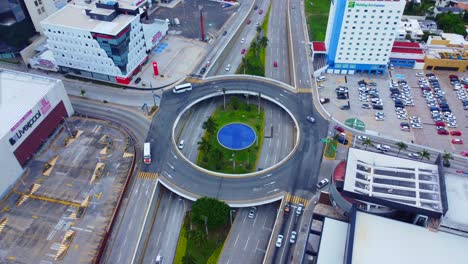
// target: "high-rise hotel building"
[[360, 35]]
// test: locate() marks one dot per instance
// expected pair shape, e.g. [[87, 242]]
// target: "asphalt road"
[[278, 44], [298, 173], [300, 45], [248, 239], [283, 253], [165, 228], [248, 32]]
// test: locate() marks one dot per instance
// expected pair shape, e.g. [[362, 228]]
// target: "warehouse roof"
[[19, 93], [382, 240]]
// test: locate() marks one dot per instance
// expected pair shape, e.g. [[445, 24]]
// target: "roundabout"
[[293, 152]]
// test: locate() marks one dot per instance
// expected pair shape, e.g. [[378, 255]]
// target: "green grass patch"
[[201, 248], [316, 12], [217, 158], [214, 258], [330, 149], [181, 246]]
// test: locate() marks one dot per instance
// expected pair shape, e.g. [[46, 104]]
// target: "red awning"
[[319, 46]]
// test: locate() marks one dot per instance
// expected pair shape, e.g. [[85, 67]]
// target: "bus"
[[147, 153], [182, 88]]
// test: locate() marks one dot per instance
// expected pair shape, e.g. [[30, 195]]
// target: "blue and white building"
[[360, 35]]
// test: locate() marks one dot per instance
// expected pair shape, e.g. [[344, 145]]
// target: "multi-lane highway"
[[278, 44], [300, 45], [246, 32]]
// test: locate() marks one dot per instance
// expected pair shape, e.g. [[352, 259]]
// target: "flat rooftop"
[[333, 242], [386, 241], [394, 179], [81, 21], [457, 198], [19, 93]]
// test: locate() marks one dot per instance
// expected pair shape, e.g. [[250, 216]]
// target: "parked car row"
[[369, 93]]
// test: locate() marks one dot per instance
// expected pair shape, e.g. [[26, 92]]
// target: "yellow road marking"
[[296, 199], [304, 90], [147, 175]]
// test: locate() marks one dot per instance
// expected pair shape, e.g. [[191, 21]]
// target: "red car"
[[464, 153], [453, 77], [440, 123], [260, 12], [339, 129], [275, 64], [457, 141], [455, 133], [249, 21], [442, 132], [243, 51]]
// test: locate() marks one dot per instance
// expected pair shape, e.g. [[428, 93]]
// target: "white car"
[[242, 40], [379, 118], [419, 74], [279, 241], [299, 209], [414, 155], [292, 239], [362, 138], [181, 144], [382, 147], [228, 67]]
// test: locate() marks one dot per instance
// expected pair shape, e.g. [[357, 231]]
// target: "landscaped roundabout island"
[[235, 134]]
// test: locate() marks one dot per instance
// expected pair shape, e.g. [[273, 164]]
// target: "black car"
[[224, 33], [342, 140], [255, 7], [377, 107], [345, 107], [138, 80], [341, 96], [203, 70]]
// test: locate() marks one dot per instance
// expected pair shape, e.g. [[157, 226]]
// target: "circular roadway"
[[300, 172]]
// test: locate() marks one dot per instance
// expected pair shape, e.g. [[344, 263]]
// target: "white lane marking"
[[266, 176]]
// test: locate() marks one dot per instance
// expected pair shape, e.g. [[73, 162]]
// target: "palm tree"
[[210, 125], [255, 47], [259, 96], [244, 63], [259, 29], [425, 154], [366, 142], [263, 42], [204, 145], [447, 157], [401, 145], [83, 92]]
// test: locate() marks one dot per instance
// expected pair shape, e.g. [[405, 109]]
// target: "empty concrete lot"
[[61, 207]]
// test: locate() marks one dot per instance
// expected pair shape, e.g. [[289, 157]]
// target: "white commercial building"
[[107, 42], [360, 35], [410, 27], [31, 108]]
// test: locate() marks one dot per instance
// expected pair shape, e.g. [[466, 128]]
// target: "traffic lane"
[[301, 55], [248, 32], [125, 241], [281, 254], [248, 238], [277, 49], [166, 228]]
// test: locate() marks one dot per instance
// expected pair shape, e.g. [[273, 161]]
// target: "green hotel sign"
[[352, 4]]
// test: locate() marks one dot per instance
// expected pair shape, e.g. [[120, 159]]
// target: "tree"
[[259, 29], [244, 63], [425, 154], [259, 97], [255, 47], [83, 92], [366, 142], [446, 158], [210, 125], [188, 259], [451, 23], [204, 145], [235, 103], [263, 42], [401, 145], [216, 212]]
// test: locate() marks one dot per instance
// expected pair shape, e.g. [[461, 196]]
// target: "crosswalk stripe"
[[304, 90], [147, 175], [128, 155], [296, 199]]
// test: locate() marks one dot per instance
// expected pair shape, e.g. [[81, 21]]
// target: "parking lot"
[[60, 208], [390, 124], [214, 14]]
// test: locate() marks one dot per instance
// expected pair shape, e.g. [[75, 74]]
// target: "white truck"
[[176, 21]]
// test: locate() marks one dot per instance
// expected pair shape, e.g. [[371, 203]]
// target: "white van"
[[321, 78], [147, 153], [186, 87]]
